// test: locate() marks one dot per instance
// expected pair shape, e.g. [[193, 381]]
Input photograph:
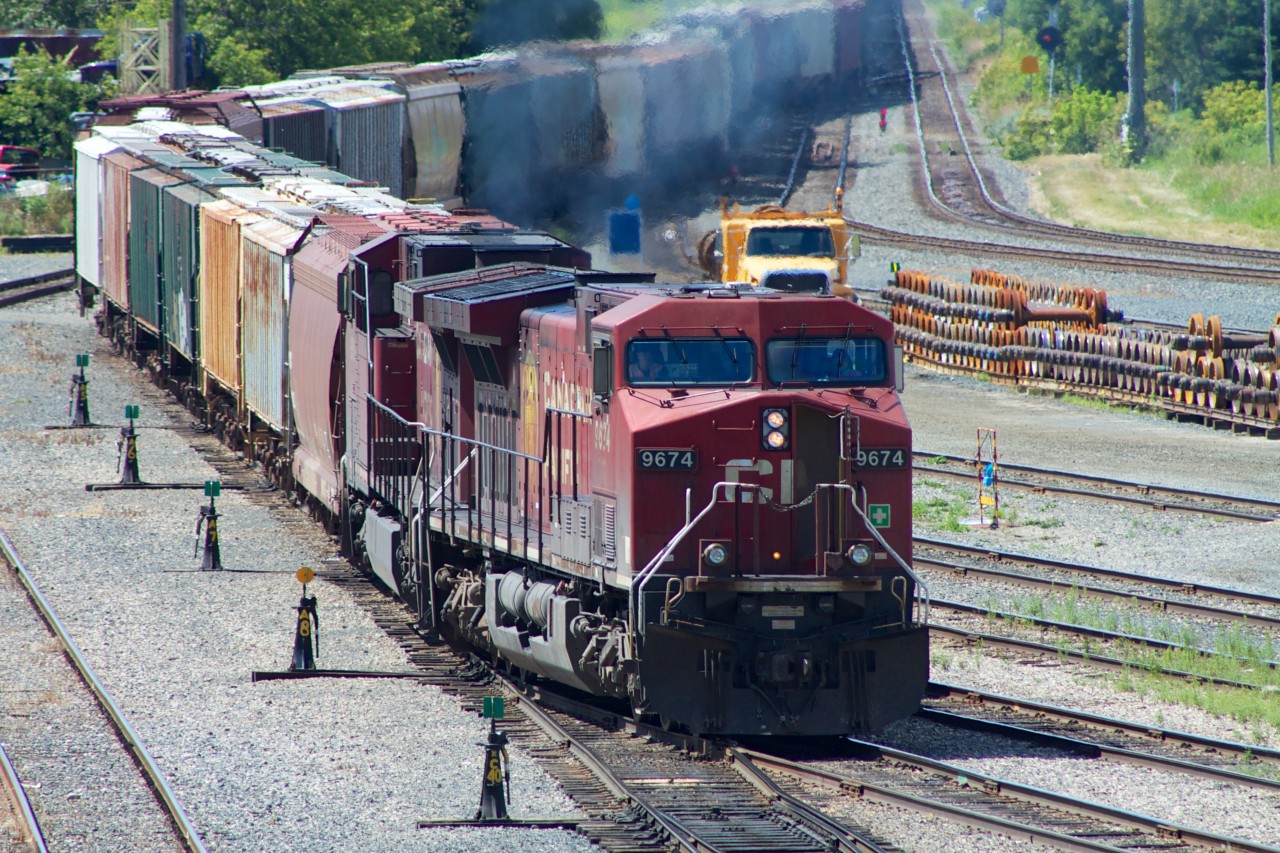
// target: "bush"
[[1030, 136], [1237, 109], [53, 213], [1082, 121]]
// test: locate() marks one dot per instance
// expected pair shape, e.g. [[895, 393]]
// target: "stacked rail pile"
[[1041, 335]]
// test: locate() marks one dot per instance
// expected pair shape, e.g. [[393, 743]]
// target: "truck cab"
[[783, 250]]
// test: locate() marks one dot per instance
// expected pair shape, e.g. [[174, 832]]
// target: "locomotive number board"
[[666, 459], [883, 457]]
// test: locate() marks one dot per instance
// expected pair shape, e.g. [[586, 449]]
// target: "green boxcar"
[[180, 235], [146, 187]]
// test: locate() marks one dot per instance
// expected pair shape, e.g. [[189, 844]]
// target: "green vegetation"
[[1254, 708], [254, 42], [48, 214], [1233, 653], [941, 512], [1205, 163], [35, 109]]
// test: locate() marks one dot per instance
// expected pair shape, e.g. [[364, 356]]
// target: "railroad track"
[[957, 188], [185, 832], [1021, 812], [1046, 480], [20, 290], [24, 827], [1166, 595], [1104, 738], [1093, 656], [680, 795], [700, 803], [1104, 634], [639, 787]]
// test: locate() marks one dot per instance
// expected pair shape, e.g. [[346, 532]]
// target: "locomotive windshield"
[[676, 362], [826, 361], [813, 242]]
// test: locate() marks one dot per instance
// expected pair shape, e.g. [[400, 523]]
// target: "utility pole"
[[1134, 133], [178, 45], [1266, 59]]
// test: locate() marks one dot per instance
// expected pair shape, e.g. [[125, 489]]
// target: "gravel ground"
[[278, 765], [21, 266], [47, 715], [323, 766]]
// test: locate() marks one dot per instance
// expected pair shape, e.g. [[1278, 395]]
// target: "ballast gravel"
[[275, 765]]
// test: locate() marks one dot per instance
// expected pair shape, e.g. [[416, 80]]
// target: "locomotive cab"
[[758, 457]]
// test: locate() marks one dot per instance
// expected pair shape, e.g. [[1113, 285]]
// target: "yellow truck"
[[783, 250]]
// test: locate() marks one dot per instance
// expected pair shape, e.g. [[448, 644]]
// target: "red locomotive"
[[697, 498]]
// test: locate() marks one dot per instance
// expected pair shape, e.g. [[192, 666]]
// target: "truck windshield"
[[826, 361], [677, 362], [809, 242]]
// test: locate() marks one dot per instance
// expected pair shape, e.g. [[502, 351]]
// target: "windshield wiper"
[[795, 352], [848, 330], [667, 334], [732, 356]]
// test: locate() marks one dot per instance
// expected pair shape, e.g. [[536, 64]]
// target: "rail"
[[28, 826], [182, 824]]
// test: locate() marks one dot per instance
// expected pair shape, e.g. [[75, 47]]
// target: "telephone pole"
[[1266, 59], [1135, 125], [178, 45]]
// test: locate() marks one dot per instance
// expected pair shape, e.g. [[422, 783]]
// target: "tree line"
[[1194, 45], [258, 41]]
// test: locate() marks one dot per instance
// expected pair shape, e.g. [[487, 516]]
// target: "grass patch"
[[941, 513], [1227, 204], [1233, 653], [1086, 402]]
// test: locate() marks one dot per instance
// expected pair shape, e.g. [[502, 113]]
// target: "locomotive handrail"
[[875, 533], [444, 484], [474, 452], [639, 581]]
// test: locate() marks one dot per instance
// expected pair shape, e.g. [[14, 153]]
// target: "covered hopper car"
[[533, 130]]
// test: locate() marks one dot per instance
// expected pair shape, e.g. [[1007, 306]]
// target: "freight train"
[[530, 131], [693, 498]]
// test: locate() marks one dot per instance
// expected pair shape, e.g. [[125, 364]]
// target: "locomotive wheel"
[[406, 578]]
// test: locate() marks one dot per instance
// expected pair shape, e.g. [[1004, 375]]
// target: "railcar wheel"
[[406, 577]]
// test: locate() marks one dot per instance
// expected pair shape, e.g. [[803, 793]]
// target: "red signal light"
[[1049, 38]]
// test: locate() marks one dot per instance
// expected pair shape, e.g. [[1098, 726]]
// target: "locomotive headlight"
[[860, 554], [776, 429], [715, 555]]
